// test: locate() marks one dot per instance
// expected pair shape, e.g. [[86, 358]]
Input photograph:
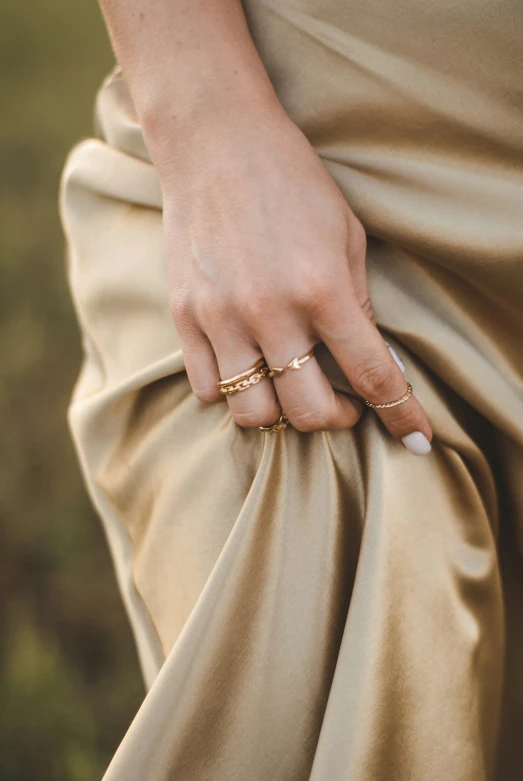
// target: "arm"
[[265, 257], [184, 58]]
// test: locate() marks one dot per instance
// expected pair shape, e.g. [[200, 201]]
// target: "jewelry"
[[391, 403], [296, 363], [280, 424], [244, 380]]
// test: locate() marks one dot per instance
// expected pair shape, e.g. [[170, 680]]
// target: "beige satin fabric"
[[325, 606]]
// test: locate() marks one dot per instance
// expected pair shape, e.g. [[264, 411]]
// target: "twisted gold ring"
[[296, 363], [405, 396], [244, 380], [280, 424]]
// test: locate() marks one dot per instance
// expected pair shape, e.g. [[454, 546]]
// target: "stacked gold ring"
[[247, 379], [244, 380]]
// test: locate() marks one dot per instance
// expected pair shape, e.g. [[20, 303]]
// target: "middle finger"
[[306, 395]]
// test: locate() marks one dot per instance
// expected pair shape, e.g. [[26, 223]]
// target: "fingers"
[[258, 405], [306, 395], [355, 250], [309, 401], [373, 372], [219, 353], [201, 365]]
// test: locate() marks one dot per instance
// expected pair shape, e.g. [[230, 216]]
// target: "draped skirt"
[[325, 606]]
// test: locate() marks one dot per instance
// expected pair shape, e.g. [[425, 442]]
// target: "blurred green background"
[[69, 677]]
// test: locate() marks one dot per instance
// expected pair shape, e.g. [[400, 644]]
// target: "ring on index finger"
[[403, 398]]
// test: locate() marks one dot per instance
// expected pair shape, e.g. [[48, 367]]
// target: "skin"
[[265, 256]]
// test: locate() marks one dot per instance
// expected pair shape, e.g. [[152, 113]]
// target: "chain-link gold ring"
[[244, 380]]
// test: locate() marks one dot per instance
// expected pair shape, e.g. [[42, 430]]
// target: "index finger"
[[364, 358]]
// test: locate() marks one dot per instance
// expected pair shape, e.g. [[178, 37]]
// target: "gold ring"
[[296, 363], [391, 403], [244, 380], [280, 424]]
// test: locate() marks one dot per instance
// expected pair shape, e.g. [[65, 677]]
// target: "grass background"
[[69, 678]]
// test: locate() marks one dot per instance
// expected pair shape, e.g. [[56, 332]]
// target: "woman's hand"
[[265, 256], [267, 259]]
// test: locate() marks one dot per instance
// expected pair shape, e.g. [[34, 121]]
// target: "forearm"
[[182, 58]]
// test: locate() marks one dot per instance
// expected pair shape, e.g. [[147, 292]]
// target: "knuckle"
[[270, 417], [404, 420], [368, 310], [207, 394], [181, 307], [308, 420], [212, 308], [254, 302], [313, 291], [373, 381], [252, 418]]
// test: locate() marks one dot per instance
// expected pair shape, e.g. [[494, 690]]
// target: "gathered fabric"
[[325, 606]]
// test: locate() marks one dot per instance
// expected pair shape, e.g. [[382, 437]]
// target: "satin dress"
[[325, 606]]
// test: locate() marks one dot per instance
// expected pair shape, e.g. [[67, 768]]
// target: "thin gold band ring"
[[242, 375], [244, 380]]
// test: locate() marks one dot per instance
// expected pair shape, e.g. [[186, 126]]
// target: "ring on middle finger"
[[280, 424], [296, 363]]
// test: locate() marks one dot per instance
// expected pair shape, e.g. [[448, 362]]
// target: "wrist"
[[175, 123], [167, 110]]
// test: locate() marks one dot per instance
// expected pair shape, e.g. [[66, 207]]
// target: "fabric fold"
[[322, 607]]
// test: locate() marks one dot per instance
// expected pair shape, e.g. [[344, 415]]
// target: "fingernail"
[[396, 357], [417, 443]]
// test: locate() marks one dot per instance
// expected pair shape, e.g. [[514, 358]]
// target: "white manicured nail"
[[396, 357], [417, 443]]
